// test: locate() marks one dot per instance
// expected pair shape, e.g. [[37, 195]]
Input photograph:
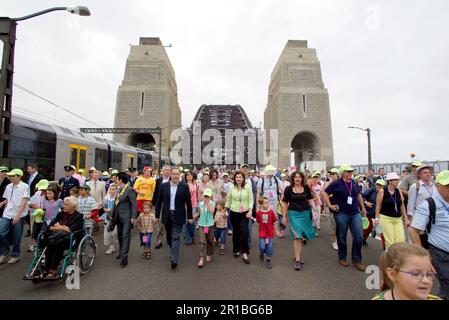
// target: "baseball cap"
[[43, 184], [443, 178], [316, 174], [115, 171], [81, 171], [392, 176], [225, 174], [244, 165], [416, 163], [346, 167], [208, 192], [270, 168], [283, 175], [85, 186], [92, 169], [105, 173], [334, 170], [15, 172], [381, 182], [146, 168], [365, 223], [4, 169]]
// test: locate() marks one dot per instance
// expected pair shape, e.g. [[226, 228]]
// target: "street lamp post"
[[8, 38], [368, 131]]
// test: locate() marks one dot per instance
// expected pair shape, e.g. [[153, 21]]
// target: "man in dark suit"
[[68, 182], [160, 230], [124, 216], [174, 201]]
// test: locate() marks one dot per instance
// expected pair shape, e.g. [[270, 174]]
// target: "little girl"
[[221, 225], [407, 273], [145, 226], [51, 205], [110, 237], [267, 220], [206, 225]]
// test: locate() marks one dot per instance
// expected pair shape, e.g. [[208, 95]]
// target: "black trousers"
[[124, 236], [240, 232], [55, 251]]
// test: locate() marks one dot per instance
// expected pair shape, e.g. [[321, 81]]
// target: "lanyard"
[[429, 190], [394, 200], [349, 188]]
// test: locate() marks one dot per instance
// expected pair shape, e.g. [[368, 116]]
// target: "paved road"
[[224, 278]]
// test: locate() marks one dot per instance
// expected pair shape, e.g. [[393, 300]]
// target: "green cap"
[[208, 192], [381, 182], [365, 223], [346, 167], [225, 174], [181, 169], [115, 171], [357, 177], [443, 178], [334, 170], [43, 184], [15, 172], [85, 186], [316, 174], [4, 169], [416, 163], [270, 168], [283, 175], [38, 215], [105, 173]]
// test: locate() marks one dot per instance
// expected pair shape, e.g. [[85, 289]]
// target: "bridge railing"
[[398, 167]]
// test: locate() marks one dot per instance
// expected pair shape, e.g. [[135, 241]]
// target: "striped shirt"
[[86, 205]]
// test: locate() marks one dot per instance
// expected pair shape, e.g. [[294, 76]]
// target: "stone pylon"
[[148, 96], [298, 107]]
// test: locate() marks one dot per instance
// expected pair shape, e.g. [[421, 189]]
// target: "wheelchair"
[[81, 253]]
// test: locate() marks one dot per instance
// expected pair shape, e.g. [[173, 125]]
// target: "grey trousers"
[[124, 236]]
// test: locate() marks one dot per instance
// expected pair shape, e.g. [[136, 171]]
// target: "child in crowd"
[[86, 205], [267, 220], [75, 192], [221, 225], [110, 237], [206, 210], [407, 273], [145, 226], [36, 212]]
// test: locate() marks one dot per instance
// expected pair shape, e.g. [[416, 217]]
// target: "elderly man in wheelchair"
[[65, 240]]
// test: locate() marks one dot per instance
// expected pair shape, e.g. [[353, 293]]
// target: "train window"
[[73, 156], [22, 147], [101, 159], [47, 168], [46, 150], [116, 160], [46, 136], [82, 160]]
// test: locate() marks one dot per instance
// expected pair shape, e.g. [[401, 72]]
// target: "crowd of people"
[[408, 213]]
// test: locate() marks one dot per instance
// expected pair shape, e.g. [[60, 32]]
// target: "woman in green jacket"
[[240, 202]]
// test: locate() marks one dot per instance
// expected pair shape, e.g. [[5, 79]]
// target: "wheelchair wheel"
[[85, 256]]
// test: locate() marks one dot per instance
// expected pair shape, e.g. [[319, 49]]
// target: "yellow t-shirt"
[[146, 185], [381, 296]]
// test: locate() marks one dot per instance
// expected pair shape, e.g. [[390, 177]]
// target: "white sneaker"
[[110, 250], [31, 248], [230, 233], [3, 259], [334, 245], [13, 260]]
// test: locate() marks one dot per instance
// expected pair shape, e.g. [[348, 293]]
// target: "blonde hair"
[[72, 201], [221, 203], [395, 257]]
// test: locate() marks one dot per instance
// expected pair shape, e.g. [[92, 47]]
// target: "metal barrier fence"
[[438, 166]]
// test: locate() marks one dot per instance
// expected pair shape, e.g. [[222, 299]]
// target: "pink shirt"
[[193, 194]]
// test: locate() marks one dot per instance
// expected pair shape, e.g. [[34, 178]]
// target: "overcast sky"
[[384, 63]]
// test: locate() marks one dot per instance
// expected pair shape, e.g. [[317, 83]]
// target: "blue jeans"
[[147, 244], [250, 232], [220, 235], [189, 233], [354, 223], [5, 226], [229, 219], [266, 248]]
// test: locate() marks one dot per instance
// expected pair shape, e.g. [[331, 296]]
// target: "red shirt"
[[266, 222]]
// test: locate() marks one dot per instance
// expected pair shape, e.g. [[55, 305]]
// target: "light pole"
[[8, 37], [368, 131]]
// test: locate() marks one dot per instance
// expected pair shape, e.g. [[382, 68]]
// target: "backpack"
[[277, 185], [432, 215]]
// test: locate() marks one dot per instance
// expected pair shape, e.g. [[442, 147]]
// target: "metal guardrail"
[[398, 167]]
